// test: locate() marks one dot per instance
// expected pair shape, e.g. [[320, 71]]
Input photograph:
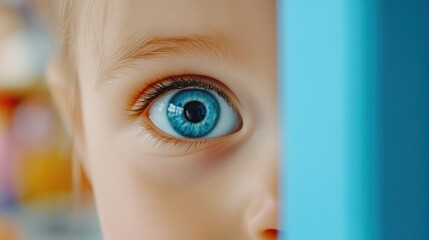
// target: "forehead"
[[245, 25], [184, 16]]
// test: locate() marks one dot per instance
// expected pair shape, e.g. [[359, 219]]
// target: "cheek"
[[138, 194], [152, 203]]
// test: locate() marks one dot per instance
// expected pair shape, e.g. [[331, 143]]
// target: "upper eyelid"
[[152, 92]]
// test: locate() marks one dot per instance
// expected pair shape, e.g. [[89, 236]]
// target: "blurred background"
[[43, 195]]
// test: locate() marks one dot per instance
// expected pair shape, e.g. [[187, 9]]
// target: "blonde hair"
[[61, 18]]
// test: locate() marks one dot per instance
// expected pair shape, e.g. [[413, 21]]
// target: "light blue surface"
[[326, 69]]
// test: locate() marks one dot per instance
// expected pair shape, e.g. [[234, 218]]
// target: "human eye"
[[188, 108]]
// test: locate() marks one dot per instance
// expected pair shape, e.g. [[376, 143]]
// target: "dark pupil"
[[195, 111]]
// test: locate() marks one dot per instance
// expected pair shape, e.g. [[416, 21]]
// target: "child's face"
[[169, 163]]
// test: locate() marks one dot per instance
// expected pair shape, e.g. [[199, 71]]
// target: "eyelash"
[[150, 93], [167, 141], [146, 97]]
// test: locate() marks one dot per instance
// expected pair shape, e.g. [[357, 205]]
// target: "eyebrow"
[[140, 49]]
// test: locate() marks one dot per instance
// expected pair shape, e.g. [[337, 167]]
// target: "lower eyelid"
[[176, 146], [153, 142], [158, 143]]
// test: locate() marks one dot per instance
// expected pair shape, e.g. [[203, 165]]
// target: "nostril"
[[270, 234]]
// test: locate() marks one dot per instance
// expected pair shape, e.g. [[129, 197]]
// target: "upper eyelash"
[[173, 83]]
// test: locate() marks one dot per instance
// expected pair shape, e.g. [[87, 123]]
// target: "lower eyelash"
[[148, 131]]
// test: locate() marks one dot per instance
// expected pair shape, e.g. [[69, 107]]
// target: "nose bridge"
[[269, 155], [269, 172], [263, 209], [268, 158]]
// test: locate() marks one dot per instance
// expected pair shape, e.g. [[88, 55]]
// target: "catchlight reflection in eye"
[[194, 113]]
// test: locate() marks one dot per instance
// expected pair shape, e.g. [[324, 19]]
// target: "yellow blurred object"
[[48, 174], [44, 174]]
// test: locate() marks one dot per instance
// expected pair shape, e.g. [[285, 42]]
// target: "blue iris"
[[193, 113]]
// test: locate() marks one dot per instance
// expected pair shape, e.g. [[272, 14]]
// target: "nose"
[[263, 222], [263, 212]]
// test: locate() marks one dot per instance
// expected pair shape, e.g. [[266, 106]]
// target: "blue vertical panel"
[[315, 100], [404, 143], [354, 86], [363, 185], [327, 93]]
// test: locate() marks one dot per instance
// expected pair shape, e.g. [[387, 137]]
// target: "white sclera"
[[227, 122]]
